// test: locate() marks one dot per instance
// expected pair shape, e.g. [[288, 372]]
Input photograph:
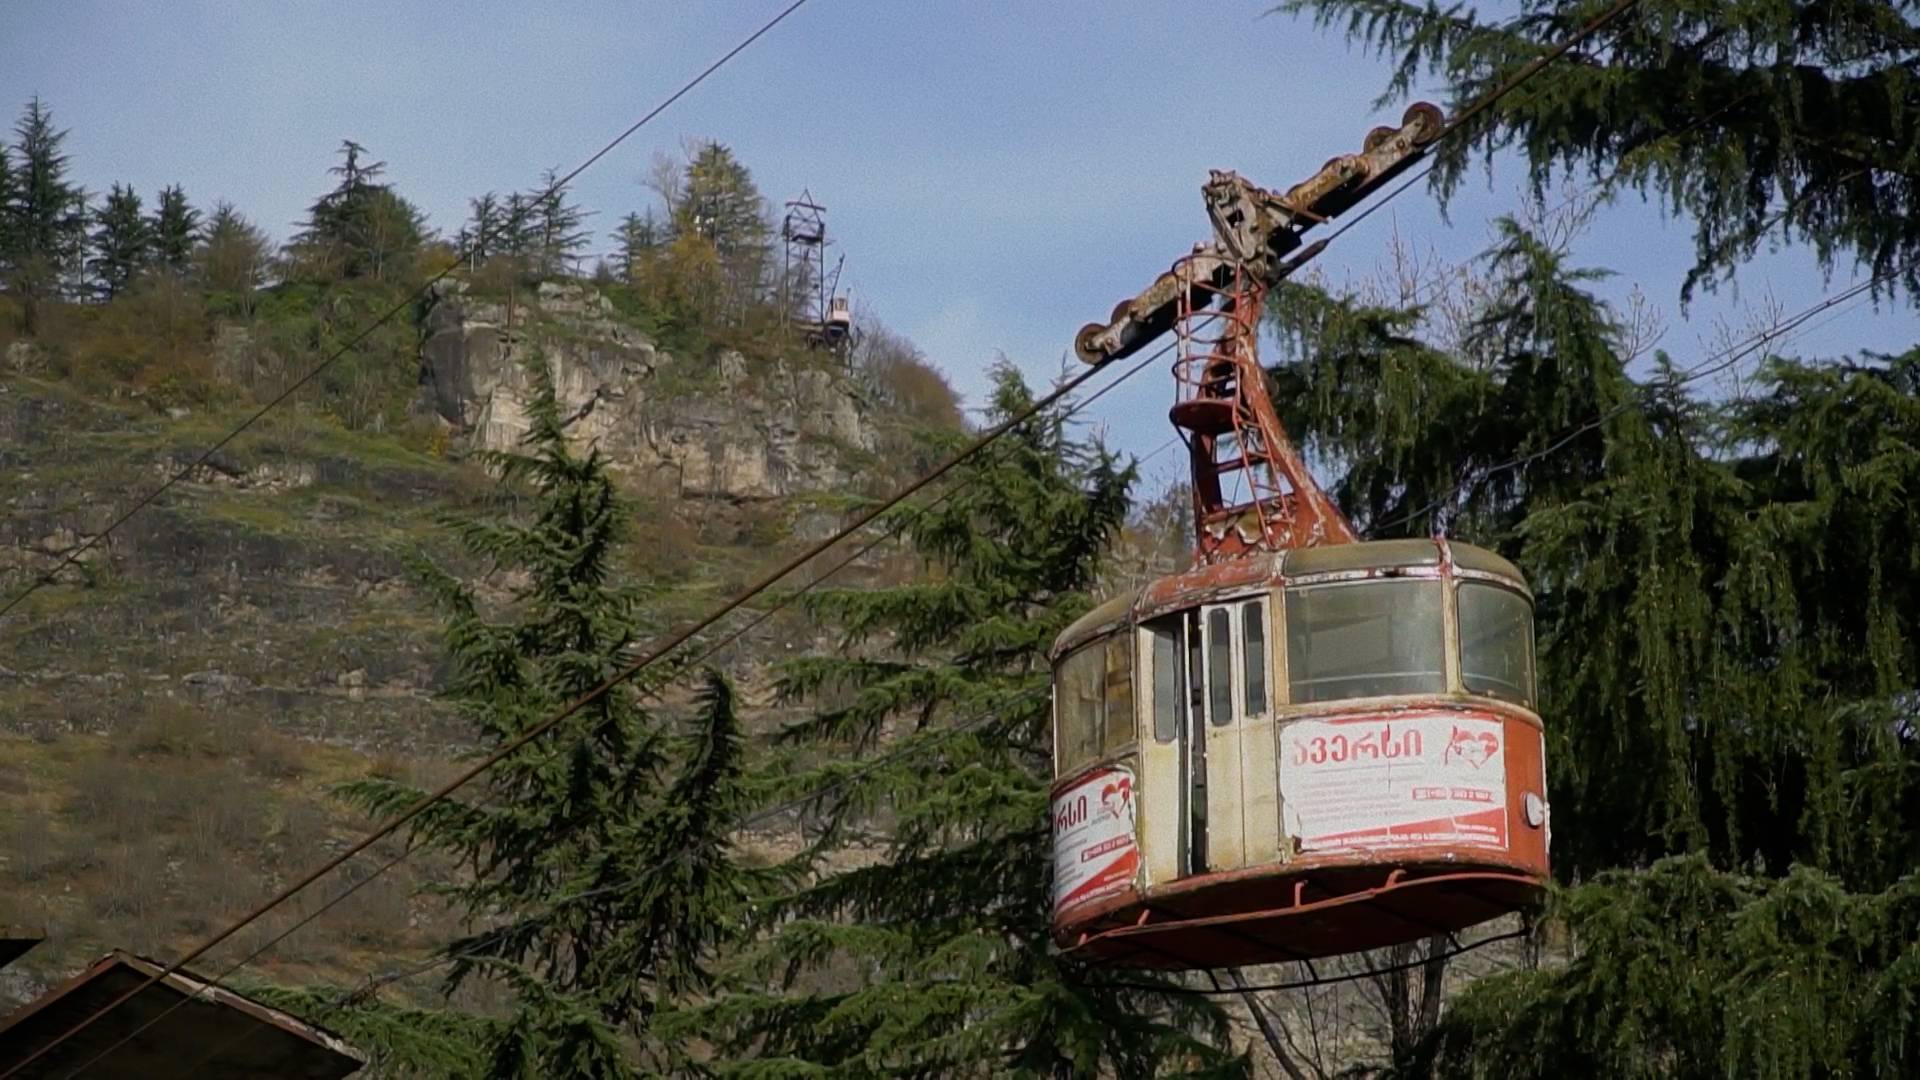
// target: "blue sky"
[[996, 173]]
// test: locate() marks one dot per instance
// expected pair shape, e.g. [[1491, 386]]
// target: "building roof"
[[219, 1035]]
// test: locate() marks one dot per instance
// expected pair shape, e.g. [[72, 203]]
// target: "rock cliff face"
[[725, 429]]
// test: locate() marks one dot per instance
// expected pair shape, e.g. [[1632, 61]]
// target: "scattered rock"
[[215, 682]]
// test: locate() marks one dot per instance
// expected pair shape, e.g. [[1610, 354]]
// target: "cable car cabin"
[[1297, 754]]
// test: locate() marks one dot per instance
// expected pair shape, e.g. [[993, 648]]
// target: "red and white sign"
[[1094, 854], [1406, 780]]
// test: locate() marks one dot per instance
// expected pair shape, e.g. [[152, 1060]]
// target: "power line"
[[479, 241]]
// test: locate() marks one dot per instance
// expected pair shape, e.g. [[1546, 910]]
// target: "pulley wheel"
[[1429, 121], [1083, 343]]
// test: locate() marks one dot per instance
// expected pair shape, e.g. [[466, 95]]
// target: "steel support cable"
[[1712, 365], [712, 649], [1486, 101], [412, 297], [1317, 980], [673, 641], [374, 983], [653, 655], [726, 640]]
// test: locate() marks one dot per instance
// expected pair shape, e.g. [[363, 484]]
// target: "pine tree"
[[639, 237], [122, 242], [720, 205], [9, 200], [941, 687], [519, 239], [558, 227], [1725, 653], [175, 227], [233, 256], [361, 228], [483, 235], [48, 232], [1760, 122], [602, 876]]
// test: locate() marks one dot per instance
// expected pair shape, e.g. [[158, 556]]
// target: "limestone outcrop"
[[724, 428]]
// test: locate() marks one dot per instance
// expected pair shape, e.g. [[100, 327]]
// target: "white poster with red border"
[[1398, 781], [1094, 853]]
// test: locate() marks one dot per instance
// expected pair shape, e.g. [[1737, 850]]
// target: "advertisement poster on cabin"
[[1404, 781], [1094, 854]]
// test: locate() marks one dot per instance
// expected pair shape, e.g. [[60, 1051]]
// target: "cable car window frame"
[[1413, 599], [1077, 740], [1118, 727], [1486, 587], [1219, 657], [1256, 696], [1167, 661]]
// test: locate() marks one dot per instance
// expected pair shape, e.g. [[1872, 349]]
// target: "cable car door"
[[1237, 774]]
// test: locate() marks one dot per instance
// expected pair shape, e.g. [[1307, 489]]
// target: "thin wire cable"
[[1648, 393], [389, 315], [373, 983], [633, 668], [1514, 82], [1317, 980], [1527, 72]]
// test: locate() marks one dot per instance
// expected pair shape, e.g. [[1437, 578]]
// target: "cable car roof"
[[1297, 565]]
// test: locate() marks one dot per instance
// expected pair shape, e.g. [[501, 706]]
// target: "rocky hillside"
[[174, 708], [722, 429]]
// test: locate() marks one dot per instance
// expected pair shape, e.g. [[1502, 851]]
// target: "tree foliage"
[[601, 880], [1726, 646], [559, 227], [121, 244], [233, 256], [933, 714], [1797, 120], [175, 227], [361, 228], [45, 214]]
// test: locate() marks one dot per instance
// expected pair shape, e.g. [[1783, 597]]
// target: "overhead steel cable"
[[414, 296], [373, 983], [672, 642], [1316, 980], [676, 639], [1712, 365], [1486, 101]]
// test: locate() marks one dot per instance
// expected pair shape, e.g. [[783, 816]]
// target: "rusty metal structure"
[[1307, 744], [813, 302]]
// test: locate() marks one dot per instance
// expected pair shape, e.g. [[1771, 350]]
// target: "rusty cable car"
[[1306, 744]]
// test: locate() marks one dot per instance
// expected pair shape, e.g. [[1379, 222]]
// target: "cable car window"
[[1253, 655], [1119, 685], [1220, 665], [1078, 716], [1168, 693], [1496, 642], [1364, 639]]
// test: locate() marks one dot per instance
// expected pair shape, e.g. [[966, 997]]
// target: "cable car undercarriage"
[[1306, 744]]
